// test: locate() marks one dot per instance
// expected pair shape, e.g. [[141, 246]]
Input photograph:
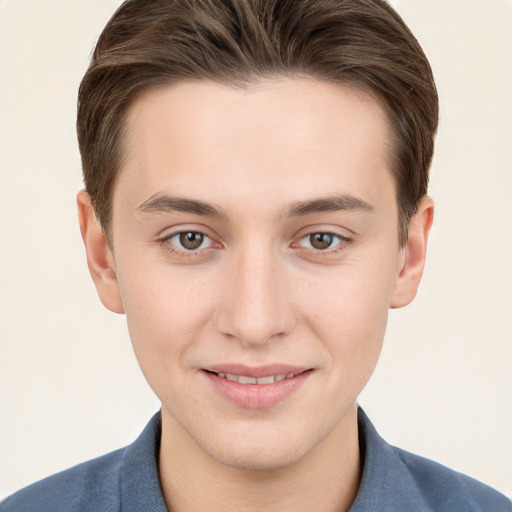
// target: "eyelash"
[[166, 242], [342, 242], [169, 246]]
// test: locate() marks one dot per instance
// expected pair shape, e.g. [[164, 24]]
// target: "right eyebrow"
[[163, 203]]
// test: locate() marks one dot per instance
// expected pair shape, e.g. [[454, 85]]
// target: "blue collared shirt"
[[127, 481]]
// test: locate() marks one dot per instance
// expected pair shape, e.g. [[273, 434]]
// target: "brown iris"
[[191, 240], [321, 241]]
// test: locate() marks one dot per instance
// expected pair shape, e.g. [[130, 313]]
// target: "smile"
[[244, 379], [264, 387]]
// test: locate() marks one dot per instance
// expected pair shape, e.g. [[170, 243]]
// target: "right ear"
[[99, 256]]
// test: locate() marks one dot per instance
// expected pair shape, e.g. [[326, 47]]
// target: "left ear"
[[413, 254]]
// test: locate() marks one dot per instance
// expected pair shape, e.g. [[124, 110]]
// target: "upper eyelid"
[[174, 249], [177, 233], [169, 232], [303, 233], [181, 231], [312, 230], [336, 235], [325, 227], [341, 238], [343, 242]]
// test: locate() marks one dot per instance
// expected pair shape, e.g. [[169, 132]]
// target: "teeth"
[[266, 380], [244, 379]]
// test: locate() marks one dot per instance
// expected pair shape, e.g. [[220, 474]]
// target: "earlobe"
[[413, 256], [99, 256]]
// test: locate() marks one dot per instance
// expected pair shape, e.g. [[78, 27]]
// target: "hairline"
[[124, 150]]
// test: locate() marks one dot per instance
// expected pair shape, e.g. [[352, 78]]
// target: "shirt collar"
[[387, 484], [139, 482]]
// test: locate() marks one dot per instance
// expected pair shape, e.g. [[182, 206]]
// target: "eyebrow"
[[163, 203], [160, 203], [338, 202]]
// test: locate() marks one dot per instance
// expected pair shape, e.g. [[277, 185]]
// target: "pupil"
[[321, 240], [191, 240]]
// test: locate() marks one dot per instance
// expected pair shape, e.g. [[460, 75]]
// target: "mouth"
[[257, 388], [247, 379]]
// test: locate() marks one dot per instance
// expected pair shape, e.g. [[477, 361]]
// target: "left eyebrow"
[[338, 202]]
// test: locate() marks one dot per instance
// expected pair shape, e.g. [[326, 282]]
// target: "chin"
[[258, 458], [261, 449]]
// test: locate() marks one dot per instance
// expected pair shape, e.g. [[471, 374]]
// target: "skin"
[[257, 291]]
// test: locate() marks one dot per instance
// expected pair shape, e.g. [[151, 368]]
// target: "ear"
[[413, 254], [99, 256]]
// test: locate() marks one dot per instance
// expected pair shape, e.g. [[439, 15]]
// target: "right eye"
[[187, 241]]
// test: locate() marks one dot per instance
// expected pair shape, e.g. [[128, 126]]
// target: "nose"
[[256, 306]]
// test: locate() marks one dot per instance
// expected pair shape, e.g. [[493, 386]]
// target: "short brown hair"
[[363, 43]]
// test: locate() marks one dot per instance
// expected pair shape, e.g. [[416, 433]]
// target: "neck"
[[326, 479]]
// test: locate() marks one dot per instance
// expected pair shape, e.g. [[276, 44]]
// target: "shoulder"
[[445, 489], [92, 485], [126, 479], [394, 479]]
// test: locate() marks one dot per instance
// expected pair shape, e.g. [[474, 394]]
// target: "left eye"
[[320, 241], [190, 240]]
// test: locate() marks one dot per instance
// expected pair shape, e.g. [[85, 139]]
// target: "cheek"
[[166, 311], [348, 310], [354, 324], [355, 345]]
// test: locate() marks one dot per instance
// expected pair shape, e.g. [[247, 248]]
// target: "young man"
[[256, 176]]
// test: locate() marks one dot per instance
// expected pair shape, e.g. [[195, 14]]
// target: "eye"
[[190, 240], [321, 241]]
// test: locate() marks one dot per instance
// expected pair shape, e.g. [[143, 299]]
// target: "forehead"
[[286, 139]]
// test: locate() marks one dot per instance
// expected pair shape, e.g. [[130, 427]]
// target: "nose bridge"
[[256, 308]]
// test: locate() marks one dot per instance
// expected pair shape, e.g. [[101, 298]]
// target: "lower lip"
[[256, 396]]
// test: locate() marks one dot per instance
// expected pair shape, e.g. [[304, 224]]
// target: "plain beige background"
[[70, 387]]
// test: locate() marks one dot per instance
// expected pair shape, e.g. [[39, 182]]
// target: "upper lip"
[[257, 371]]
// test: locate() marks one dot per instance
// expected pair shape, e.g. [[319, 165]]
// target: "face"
[[256, 254]]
